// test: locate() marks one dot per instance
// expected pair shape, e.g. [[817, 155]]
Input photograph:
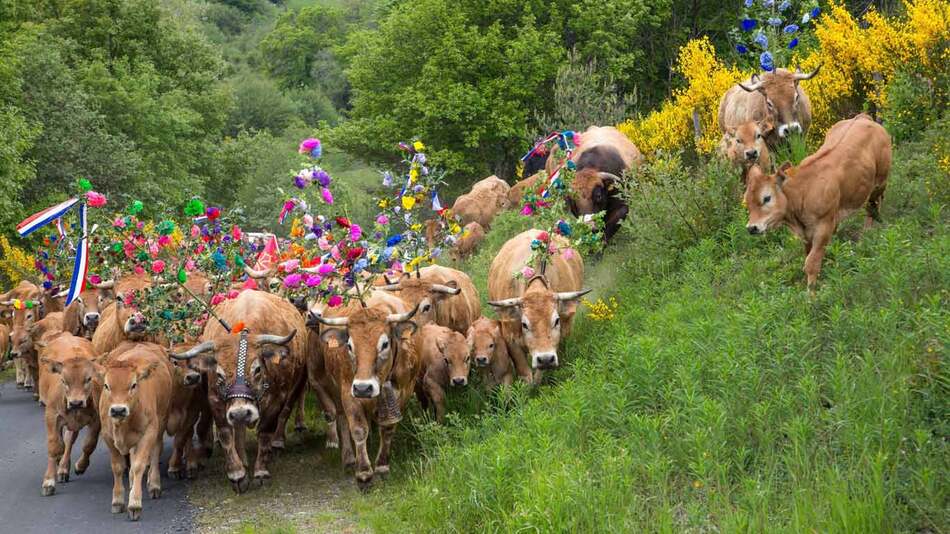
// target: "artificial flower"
[[293, 280], [527, 271], [158, 266], [791, 28], [325, 269], [355, 232], [213, 213], [382, 220], [313, 280], [327, 195], [408, 202], [85, 185], [766, 62], [334, 301], [95, 200], [748, 24], [194, 208], [741, 49], [322, 177], [308, 146]]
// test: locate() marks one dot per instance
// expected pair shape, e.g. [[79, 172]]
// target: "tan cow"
[[745, 146], [498, 187], [21, 320], [372, 360], [136, 390], [446, 362], [538, 313], [39, 333], [483, 202], [70, 385], [518, 191], [189, 400], [457, 313], [490, 352], [775, 96], [81, 317], [472, 235], [120, 322], [848, 171], [271, 379], [424, 294]]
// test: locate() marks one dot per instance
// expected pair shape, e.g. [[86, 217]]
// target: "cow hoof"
[[62, 477], [277, 444], [300, 428], [118, 507], [177, 474], [240, 485], [192, 473], [27, 386], [260, 477], [48, 490], [80, 468], [155, 493], [364, 484], [332, 444], [20, 385], [135, 513], [382, 470], [36, 398]]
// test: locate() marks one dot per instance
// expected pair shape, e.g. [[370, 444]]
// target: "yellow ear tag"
[[333, 343]]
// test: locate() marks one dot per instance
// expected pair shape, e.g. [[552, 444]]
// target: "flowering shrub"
[[15, 263], [600, 309]]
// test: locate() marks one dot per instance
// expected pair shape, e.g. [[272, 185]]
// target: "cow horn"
[[507, 303], [388, 281], [264, 273], [571, 295], [401, 317], [61, 294], [6, 303], [449, 290], [270, 339], [390, 287], [800, 76], [609, 176], [311, 270], [201, 348], [755, 86], [333, 321], [105, 284]]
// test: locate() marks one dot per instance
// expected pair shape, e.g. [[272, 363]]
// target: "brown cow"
[[490, 352], [39, 333], [446, 361], [848, 171], [472, 235], [537, 313], [745, 146], [372, 360], [81, 317], [21, 349], [136, 389], [70, 386], [775, 96], [272, 377], [483, 202], [120, 322], [518, 191], [423, 294], [189, 401], [457, 313]]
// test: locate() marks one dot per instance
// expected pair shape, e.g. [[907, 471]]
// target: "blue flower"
[[219, 260], [761, 40], [387, 253], [766, 61], [784, 5], [748, 3], [741, 49], [768, 3], [815, 12], [775, 21], [748, 25], [436, 252], [791, 28], [360, 265], [387, 179], [793, 43], [316, 152], [394, 240]]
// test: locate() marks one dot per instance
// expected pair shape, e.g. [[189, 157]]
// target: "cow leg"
[[520, 360], [436, 396], [183, 436], [20, 366], [118, 475], [329, 414], [264, 445], [234, 464], [613, 220], [385, 444], [88, 446], [359, 429], [62, 472], [296, 396], [34, 368], [300, 424], [347, 454], [874, 206], [820, 240], [188, 450], [205, 433], [54, 448], [154, 468], [140, 459]]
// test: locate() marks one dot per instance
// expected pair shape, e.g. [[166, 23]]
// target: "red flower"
[[213, 213], [354, 253], [543, 236], [343, 221]]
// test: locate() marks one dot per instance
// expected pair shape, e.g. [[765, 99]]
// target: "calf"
[[848, 171], [188, 402], [490, 352], [485, 200], [137, 387], [518, 191], [445, 358], [70, 385], [472, 235], [81, 317], [745, 146]]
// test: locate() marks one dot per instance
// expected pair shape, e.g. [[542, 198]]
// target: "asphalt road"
[[83, 503]]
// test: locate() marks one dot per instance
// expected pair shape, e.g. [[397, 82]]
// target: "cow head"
[[456, 355], [79, 376], [84, 311], [188, 372], [780, 89], [371, 337], [764, 198], [590, 190], [23, 321], [240, 388], [745, 144], [423, 295], [484, 338], [540, 311], [121, 382]]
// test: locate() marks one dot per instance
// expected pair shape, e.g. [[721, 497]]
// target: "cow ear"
[[568, 307], [405, 327], [208, 363], [148, 371], [782, 174], [335, 337], [766, 126]]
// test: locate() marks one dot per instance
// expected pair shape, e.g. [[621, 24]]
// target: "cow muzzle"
[[482, 361], [91, 320], [192, 379], [790, 128], [365, 389], [544, 360], [243, 413], [136, 324], [119, 411], [72, 404], [756, 228], [459, 381], [751, 155]]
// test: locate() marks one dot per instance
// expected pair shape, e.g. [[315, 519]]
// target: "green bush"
[[911, 102]]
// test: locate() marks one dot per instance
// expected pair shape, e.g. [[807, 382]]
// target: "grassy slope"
[[721, 396]]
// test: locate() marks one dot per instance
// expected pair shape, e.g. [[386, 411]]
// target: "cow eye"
[[384, 346], [769, 103], [525, 325], [267, 353], [426, 308], [557, 322], [491, 346], [133, 386], [106, 387], [88, 379], [766, 199]]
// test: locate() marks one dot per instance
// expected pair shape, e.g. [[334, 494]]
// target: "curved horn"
[[201, 348], [389, 287], [61, 294], [799, 75], [259, 274], [609, 176], [333, 321], [755, 86], [439, 288], [388, 281], [507, 303], [571, 295], [275, 340], [105, 284], [401, 317], [6, 303]]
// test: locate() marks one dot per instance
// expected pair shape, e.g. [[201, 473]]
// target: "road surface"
[[81, 505]]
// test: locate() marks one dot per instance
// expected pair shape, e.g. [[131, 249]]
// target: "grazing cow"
[[445, 362], [490, 352], [498, 187], [848, 171], [775, 96], [372, 361], [457, 313], [70, 385], [602, 157], [472, 235], [133, 409], [518, 191], [81, 317], [535, 314], [485, 200], [119, 321], [257, 388], [745, 146]]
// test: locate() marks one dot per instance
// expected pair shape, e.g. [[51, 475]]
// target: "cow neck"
[[795, 184]]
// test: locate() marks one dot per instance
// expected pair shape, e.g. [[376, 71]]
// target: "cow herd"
[[97, 365]]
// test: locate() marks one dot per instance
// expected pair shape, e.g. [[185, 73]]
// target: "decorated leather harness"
[[240, 389]]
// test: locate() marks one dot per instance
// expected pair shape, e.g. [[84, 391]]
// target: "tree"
[[298, 40]]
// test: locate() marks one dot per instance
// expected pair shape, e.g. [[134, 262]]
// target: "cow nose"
[[119, 411], [77, 404], [138, 318], [481, 361], [459, 381], [362, 390], [752, 154], [192, 379], [546, 360], [753, 229], [91, 319]]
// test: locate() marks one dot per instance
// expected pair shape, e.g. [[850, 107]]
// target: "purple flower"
[[749, 25], [793, 43], [293, 280], [322, 177], [300, 182], [785, 5], [748, 3], [387, 179], [775, 21], [768, 3], [761, 40], [766, 61], [791, 28], [742, 49], [313, 280]]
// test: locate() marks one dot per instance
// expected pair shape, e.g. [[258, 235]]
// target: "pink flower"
[[250, 283], [334, 301], [200, 248], [127, 298], [382, 219], [543, 236], [158, 266], [552, 248], [95, 200], [139, 270], [119, 222], [526, 210], [236, 232], [290, 266], [195, 231], [335, 253], [190, 265], [128, 249], [323, 244], [308, 220], [355, 233], [327, 195], [527, 271], [164, 241], [293, 280], [567, 253], [95, 279], [233, 294], [307, 145], [313, 280], [218, 298], [325, 269], [153, 249], [140, 225]]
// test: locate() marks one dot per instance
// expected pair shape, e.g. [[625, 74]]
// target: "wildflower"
[[139, 270], [119, 222], [791, 28], [815, 12], [785, 5], [360, 265], [766, 61], [355, 232], [300, 182], [218, 298], [749, 24], [418, 146], [775, 21], [526, 210], [768, 3], [793, 43], [387, 179], [290, 266], [322, 177], [213, 213], [394, 240], [761, 40], [408, 202], [806, 18], [382, 220], [748, 3]]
